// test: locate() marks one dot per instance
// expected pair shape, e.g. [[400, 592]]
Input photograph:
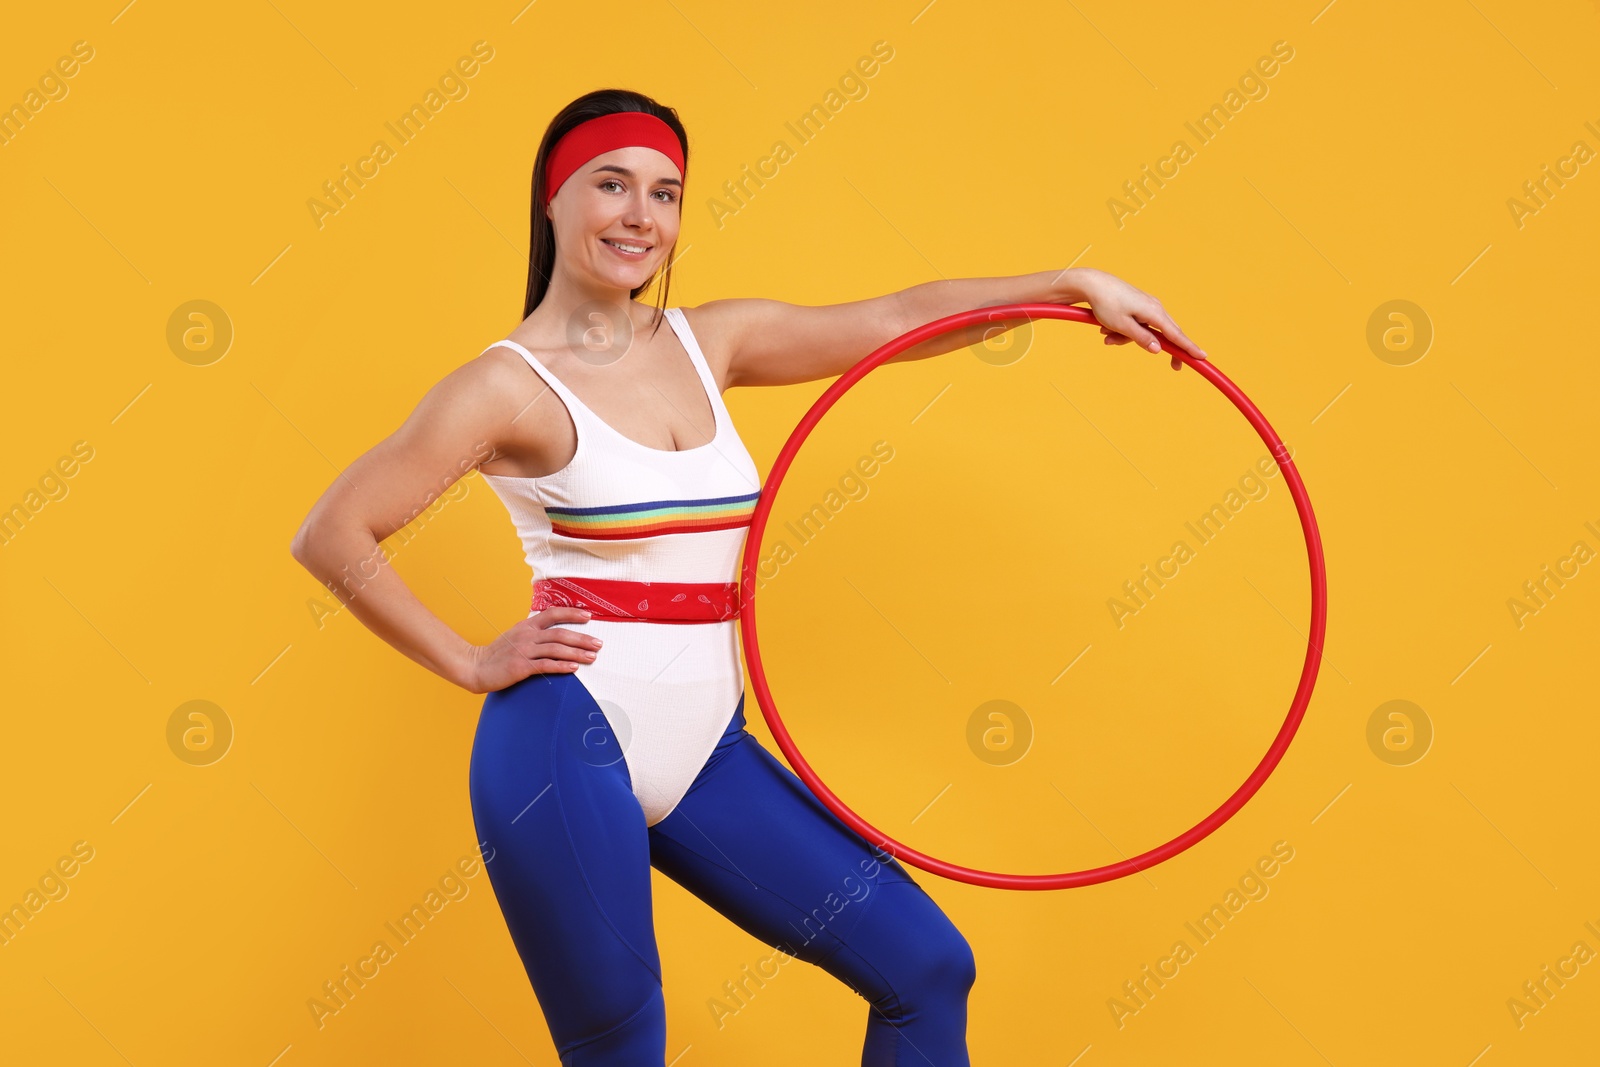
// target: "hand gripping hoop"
[[758, 677]]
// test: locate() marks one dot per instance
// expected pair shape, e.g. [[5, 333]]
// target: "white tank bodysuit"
[[628, 512]]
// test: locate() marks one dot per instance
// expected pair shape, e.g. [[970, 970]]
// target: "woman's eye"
[[671, 196]]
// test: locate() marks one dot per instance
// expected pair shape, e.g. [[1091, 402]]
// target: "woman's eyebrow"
[[625, 172]]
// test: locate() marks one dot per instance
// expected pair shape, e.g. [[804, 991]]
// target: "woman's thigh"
[[752, 840], [568, 856]]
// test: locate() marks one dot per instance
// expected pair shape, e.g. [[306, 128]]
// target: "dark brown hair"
[[541, 236]]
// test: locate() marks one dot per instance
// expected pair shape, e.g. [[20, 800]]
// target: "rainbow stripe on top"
[[653, 518]]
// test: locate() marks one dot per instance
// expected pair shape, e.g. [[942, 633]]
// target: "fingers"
[[561, 613], [544, 642], [528, 667], [564, 647], [1114, 338], [1134, 314], [1175, 334], [576, 653], [558, 636], [548, 657], [521, 661], [1126, 328], [548, 632], [1169, 331]]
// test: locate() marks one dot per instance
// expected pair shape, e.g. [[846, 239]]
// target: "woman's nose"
[[638, 213]]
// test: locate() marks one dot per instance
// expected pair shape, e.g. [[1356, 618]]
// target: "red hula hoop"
[[1280, 744]]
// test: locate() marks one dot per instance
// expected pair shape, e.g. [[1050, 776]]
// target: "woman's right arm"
[[462, 421]]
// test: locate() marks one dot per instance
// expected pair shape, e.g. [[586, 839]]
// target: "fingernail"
[[1155, 346]]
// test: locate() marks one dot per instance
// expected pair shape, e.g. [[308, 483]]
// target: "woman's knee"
[[935, 979], [952, 968], [928, 959]]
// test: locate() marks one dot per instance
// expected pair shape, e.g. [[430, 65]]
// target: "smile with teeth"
[[625, 248]]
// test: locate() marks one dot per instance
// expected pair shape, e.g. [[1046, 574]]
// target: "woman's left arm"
[[775, 343]]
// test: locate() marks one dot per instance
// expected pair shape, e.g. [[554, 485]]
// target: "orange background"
[[1436, 862]]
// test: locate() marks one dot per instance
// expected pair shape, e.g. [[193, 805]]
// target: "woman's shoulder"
[[499, 367], [494, 382], [497, 387]]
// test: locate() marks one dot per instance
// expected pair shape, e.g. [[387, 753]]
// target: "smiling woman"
[[625, 477], [605, 117]]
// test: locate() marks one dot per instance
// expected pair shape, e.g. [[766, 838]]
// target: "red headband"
[[606, 133]]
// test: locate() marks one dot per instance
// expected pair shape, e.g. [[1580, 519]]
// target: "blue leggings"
[[569, 858]]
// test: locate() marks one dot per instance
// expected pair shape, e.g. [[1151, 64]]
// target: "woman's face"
[[629, 196]]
